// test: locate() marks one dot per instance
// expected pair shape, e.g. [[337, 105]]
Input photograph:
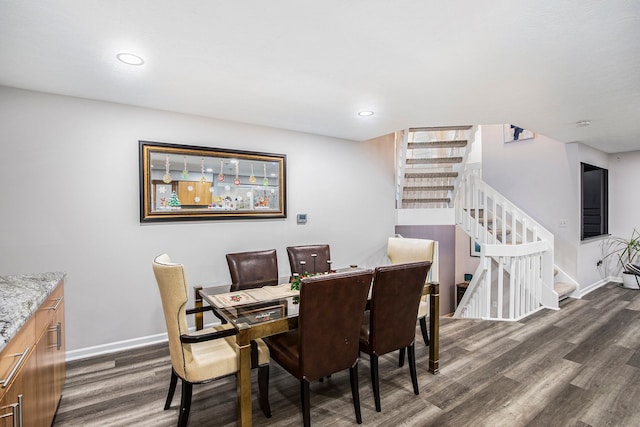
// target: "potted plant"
[[627, 251]]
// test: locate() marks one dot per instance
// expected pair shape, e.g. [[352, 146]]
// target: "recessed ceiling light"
[[583, 123], [365, 113], [130, 58]]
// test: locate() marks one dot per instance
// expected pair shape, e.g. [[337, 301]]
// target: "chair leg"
[[412, 367], [401, 358], [423, 328], [375, 381], [263, 387], [185, 404], [304, 400], [355, 392], [172, 389]]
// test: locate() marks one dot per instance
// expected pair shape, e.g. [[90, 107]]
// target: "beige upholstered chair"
[[401, 250], [205, 355]]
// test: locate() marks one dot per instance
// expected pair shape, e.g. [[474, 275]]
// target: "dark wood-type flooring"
[[579, 366]]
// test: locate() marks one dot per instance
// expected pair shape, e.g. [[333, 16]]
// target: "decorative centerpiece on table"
[[296, 278]]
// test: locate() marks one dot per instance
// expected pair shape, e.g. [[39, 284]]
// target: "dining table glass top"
[[257, 305], [254, 306]]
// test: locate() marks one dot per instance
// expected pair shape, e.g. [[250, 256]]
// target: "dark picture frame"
[[186, 182]]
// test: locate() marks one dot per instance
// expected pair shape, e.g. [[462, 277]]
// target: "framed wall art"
[[474, 247], [513, 133], [184, 182]]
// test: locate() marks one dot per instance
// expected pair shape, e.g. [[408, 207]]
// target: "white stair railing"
[[515, 275]]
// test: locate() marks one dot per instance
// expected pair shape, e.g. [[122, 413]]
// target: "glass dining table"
[[270, 310]]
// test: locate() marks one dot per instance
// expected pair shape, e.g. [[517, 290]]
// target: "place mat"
[[248, 296], [231, 299], [281, 291]]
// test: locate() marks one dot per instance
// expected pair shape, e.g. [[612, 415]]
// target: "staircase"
[[516, 275], [430, 161]]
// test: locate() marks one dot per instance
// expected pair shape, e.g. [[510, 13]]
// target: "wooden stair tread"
[[434, 160], [427, 200], [430, 188], [437, 144], [438, 128], [564, 289], [431, 174]]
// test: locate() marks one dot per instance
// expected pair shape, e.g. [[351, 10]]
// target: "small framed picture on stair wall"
[[474, 247], [513, 133]]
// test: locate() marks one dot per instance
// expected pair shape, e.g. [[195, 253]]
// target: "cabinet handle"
[[19, 411], [55, 307], [59, 334], [16, 367], [58, 330], [16, 412], [13, 414]]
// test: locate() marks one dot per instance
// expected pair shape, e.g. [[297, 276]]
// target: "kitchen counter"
[[20, 297]]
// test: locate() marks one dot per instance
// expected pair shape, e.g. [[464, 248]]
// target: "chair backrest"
[[395, 298], [172, 283], [253, 269], [402, 249], [329, 321], [304, 253]]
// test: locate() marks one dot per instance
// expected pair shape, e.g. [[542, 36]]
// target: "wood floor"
[[579, 366]]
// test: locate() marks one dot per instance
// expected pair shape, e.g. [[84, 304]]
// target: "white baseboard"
[[99, 350], [102, 349], [582, 292]]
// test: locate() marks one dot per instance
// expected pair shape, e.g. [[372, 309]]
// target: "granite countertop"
[[20, 297]]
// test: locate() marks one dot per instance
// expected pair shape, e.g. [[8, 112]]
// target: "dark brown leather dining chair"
[[326, 341], [391, 322], [309, 259], [253, 269]]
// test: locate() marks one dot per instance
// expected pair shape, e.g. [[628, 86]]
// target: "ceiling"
[[310, 66]]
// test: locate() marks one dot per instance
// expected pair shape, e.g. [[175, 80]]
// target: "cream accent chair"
[[205, 355], [402, 250]]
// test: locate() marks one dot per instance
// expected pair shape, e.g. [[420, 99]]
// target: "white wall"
[[542, 177], [537, 176], [69, 169], [590, 250], [624, 203]]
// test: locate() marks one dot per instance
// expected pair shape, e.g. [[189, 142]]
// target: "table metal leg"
[[198, 304], [434, 328], [244, 376]]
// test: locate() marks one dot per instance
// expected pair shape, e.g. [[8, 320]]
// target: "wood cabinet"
[[33, 367], [194, 193]]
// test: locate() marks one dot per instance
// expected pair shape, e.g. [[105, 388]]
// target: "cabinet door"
[[59, 363], [18, 405], [46, 374], [194, 193], [51, 367], [50, 356]]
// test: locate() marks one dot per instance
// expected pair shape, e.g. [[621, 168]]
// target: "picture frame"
[[474, 247], [513, 133], [186, 182]]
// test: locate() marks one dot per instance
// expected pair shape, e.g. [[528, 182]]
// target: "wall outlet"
[[563, 223]]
